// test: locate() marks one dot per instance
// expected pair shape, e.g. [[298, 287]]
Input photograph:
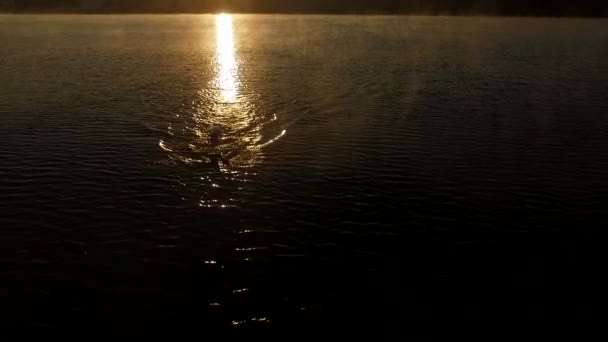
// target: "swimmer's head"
[[215, 137]]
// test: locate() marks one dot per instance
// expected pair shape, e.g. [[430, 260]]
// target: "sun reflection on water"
[[227, 64]]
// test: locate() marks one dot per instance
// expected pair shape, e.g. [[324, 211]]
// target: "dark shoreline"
[[524, 8]]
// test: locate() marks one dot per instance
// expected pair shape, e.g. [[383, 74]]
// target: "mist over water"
[[272, 171]]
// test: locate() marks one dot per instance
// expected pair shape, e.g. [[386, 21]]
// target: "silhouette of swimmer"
[[214, 140], [215, 137]]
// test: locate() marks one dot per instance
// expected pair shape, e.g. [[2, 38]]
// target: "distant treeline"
[[451, 7]]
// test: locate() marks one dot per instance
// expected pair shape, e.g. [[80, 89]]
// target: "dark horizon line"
[[369, 13]]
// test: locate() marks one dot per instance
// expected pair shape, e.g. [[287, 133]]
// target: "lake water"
[[163, 172]]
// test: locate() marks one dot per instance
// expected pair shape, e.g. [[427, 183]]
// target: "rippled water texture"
[[161, 172]]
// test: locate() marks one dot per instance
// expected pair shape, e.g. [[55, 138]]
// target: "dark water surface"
[[162, 172]]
